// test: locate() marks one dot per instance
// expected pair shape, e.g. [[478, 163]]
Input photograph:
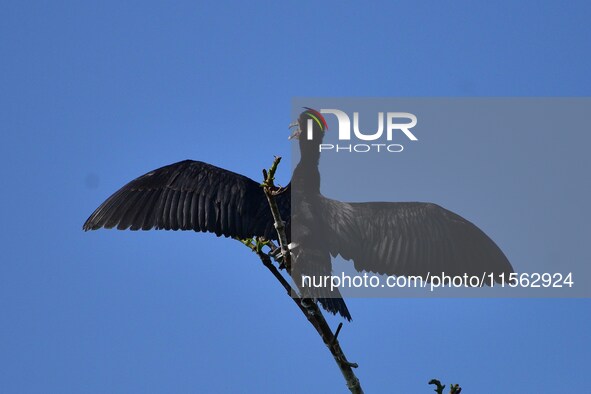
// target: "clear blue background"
[[95, 94]]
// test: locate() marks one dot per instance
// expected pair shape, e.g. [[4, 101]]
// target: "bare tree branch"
[[308, 306], [270, 192]]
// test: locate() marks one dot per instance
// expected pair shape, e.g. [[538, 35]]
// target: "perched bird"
[[393, 238]]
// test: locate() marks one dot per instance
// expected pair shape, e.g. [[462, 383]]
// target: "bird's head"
[[310, 125]]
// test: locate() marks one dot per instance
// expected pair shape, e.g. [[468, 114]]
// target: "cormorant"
[[393, 238]]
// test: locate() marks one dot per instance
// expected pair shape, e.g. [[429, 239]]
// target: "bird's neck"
[[306, 176], [310, 151]]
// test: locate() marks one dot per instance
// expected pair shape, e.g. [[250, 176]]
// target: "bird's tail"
[[329, 298], [335, 305], [309, 265]]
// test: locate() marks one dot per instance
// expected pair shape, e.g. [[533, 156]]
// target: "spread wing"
[[191, 195], [411, 238]]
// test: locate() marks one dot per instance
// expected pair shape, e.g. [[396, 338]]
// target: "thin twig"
[[336, 334]]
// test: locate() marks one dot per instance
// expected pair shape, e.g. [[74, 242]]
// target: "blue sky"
[[95, 94]]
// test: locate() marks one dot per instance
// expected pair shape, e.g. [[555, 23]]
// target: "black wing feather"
[[410, 238], [191, 195]]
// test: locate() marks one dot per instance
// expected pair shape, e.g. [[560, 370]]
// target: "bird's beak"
[[296, 133]]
